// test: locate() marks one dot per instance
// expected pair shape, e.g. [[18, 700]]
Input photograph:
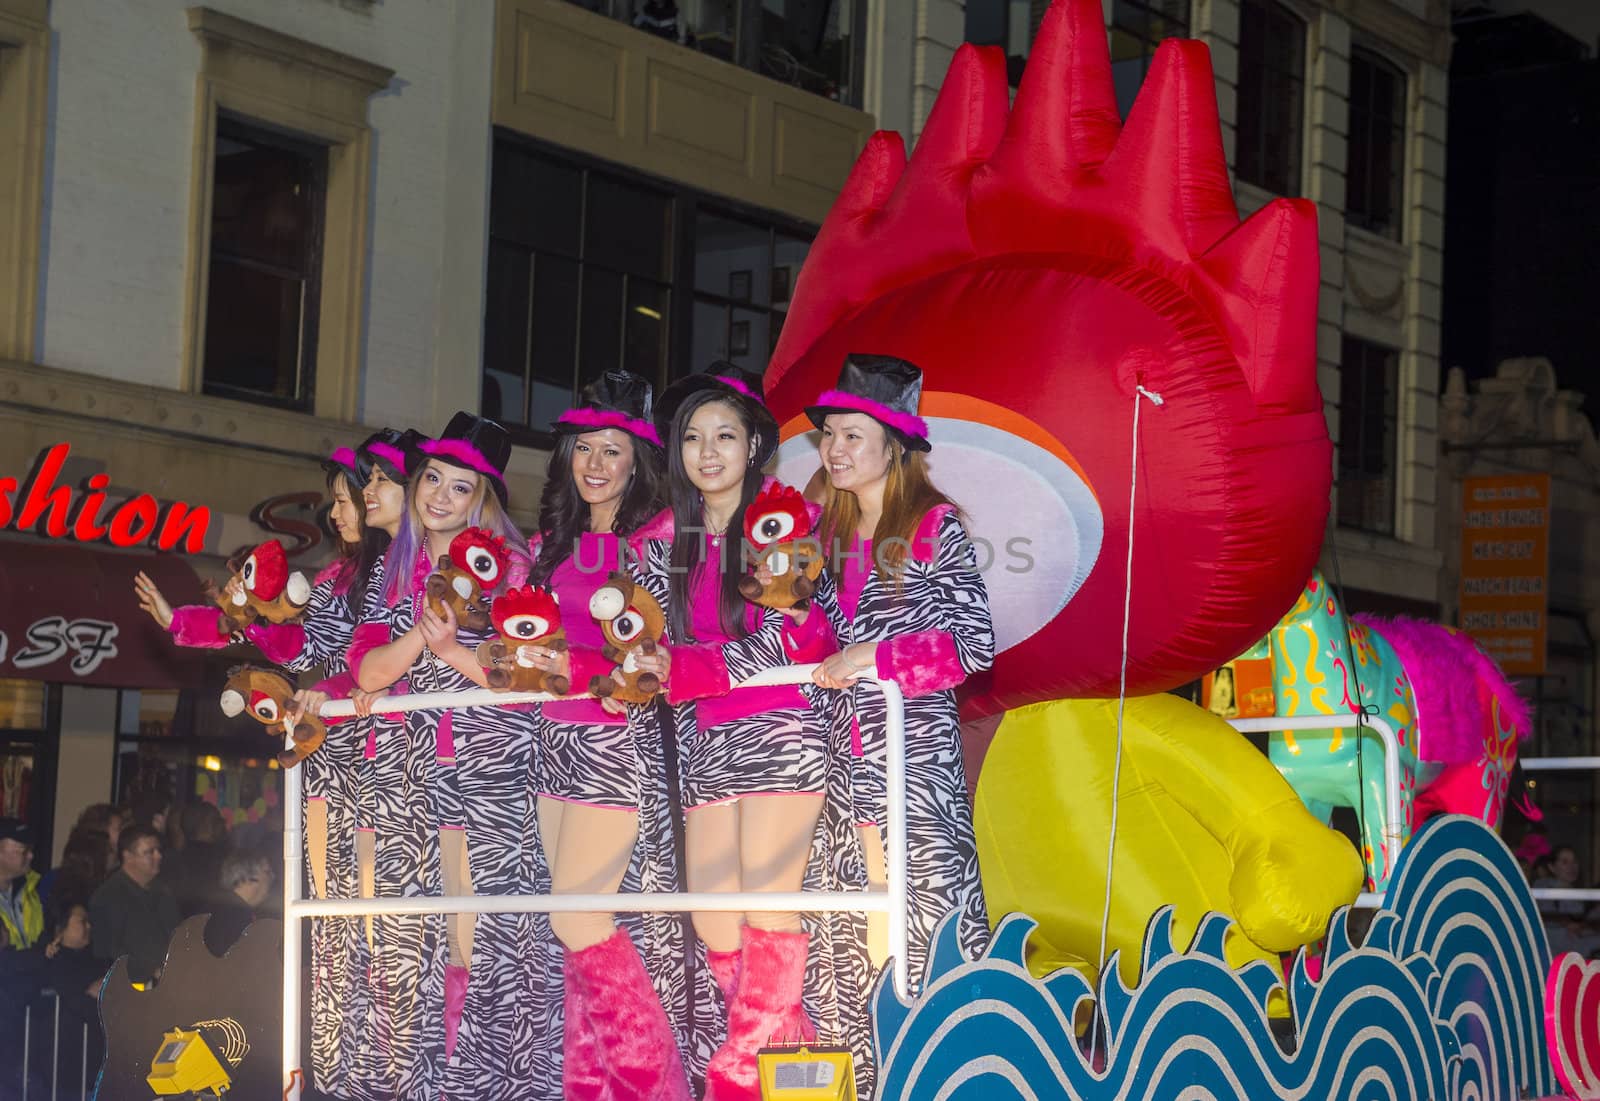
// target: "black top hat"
[[474, 443], [885, 388], [729, 381], [392, 451], [617, 399]]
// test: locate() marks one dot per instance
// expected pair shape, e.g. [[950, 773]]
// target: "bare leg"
[[591, 853], [366, 869], [457, 876], [878, 880], [711, 857], [317, 844], [774, 842]]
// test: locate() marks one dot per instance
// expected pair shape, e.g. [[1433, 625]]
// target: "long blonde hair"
[[908, 495]]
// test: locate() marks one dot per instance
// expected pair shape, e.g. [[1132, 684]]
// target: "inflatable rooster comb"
[[776, 526], [266, 695], [474, 565], [266, 589], [1041, 262], [524, 616]]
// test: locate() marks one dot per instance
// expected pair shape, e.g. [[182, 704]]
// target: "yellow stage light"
[[806, 1073], [185, 1064]]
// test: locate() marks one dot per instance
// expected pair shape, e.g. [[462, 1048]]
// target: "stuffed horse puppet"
[[1457, 718]]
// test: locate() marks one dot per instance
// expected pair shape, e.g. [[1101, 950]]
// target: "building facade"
[[241, 234]]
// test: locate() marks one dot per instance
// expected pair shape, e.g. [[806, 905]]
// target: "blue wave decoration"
[[1441, 1001]]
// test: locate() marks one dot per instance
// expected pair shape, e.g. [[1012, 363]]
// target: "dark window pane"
[[645, 330], [748, 340], [265, 201], [710, 334], [1271, 97], [553, 338], [536, 201], [505, 333], [265, 262], [987, 22], [253, 331], [732, 259], [627, 228], [1368, 435], [600, 326], [1376, 167], [806, 43]]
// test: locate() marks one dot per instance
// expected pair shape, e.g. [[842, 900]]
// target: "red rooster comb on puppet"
[[266, 570], [1039, 263], [483, 554], [777, 513], [527, 613]]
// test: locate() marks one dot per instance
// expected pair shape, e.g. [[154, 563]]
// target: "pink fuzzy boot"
[[583, 1072], [765, 1008], [633, 1038], [455, 1000], [725, 970]]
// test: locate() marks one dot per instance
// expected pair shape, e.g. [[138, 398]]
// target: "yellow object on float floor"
[[806, 1072], [185, 1064], [1204, 823]]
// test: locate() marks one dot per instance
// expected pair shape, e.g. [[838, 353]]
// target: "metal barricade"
[[31, 1071], [891, 900]]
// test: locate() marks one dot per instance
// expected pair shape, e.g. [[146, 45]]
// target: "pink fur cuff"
[[366, 638], [922, 663], [199, 626], [697, 672], [810, 642], [279, 643]]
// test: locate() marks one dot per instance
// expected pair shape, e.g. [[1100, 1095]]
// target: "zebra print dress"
[[944, 592], [330, 775], [509, 1042]]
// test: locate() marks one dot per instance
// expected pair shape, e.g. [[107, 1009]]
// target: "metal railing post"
[[891, 900]]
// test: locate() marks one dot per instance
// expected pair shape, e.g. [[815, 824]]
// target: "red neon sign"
[[139, 519]]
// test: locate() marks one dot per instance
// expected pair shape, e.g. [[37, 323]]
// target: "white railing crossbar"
[[891, 900]]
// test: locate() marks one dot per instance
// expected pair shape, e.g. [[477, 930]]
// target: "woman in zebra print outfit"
[[492, 1035], [755, 768], [602, 799], [906, 601], [318, 640]]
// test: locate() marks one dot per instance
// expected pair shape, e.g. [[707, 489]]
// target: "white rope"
[[1122, 701]]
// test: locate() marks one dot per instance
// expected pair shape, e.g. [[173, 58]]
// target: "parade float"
[[1120, 375]]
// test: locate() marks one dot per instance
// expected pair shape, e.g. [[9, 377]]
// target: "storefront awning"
[[68, 614]]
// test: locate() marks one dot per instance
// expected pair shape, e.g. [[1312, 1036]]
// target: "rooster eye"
[[266, 710], [526, 626], [772, 526], [628, 626], [248, 573], [484, 566]]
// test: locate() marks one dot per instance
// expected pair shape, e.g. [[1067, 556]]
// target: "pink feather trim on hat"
[[343, 456], [391, 455], [733, 383], [461, 452], [908, 423], [606, 418]]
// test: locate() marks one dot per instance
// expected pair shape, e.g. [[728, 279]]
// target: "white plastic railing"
[[891, 900]]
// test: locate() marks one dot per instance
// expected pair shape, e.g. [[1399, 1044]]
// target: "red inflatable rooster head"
[[1039, 265]]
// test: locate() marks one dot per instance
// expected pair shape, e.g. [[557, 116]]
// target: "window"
[[592, 267], [24, 121], [743, 275], [291, 213], [1369, 398], [1377, 144], [1137, 27], [1272, 75], [811, 44], [1005, 23], [262, 298]]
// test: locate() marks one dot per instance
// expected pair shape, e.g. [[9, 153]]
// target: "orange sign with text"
[[1505, 568]]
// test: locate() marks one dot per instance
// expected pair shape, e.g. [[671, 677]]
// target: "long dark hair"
[[356, 559], [688, 526], [564, 514]]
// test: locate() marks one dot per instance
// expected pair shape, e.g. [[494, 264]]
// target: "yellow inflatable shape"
[[1205, 823]]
